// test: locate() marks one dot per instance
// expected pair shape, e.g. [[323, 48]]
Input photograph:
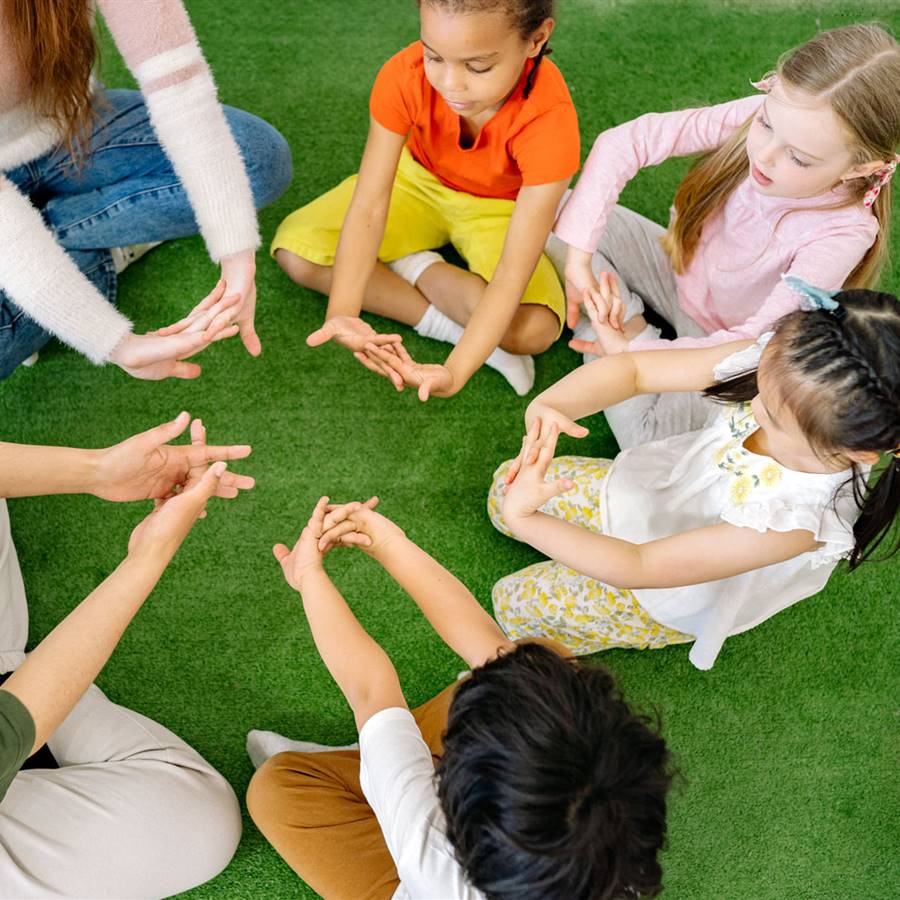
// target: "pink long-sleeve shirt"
[[733, 287]]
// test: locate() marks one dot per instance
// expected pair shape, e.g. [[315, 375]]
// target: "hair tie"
[[884, 175], [812, 298]]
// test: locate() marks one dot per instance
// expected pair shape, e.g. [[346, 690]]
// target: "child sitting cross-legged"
[[530, 778], [706, 534]]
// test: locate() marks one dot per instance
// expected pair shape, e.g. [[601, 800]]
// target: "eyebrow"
[[792, 146], [484, 56]]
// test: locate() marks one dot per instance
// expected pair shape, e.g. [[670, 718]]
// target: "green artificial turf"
[[788, 746]]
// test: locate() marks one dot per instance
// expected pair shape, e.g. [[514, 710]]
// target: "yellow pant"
[[424, 214]]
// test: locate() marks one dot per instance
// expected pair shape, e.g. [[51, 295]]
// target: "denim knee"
[[267, 156]]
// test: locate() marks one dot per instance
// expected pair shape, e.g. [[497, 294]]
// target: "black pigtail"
[[879, 505]]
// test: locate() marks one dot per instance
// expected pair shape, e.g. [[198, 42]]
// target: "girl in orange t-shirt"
[[473, 140]]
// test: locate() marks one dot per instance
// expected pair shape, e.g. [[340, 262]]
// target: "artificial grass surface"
[[788, 745]]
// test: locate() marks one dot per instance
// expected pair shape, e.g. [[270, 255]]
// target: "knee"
[[305, 273], [265, 793], [495, 498], [215, 837], [267, 156], [533, 330]]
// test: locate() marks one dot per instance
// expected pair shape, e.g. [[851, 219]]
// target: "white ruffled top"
[[706, 477]]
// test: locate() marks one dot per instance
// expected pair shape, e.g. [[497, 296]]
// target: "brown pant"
[[311, 808]]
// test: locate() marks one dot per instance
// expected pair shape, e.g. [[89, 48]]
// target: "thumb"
[[555, 488], [168, 431], [208, 484], [573, 312], [424, 390], [281, 552], [321, 335], [251, 339], [580, 346], [573, 429]]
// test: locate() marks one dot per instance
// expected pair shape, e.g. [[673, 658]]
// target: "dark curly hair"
[[839, 374], [525, 16], [553, 788]]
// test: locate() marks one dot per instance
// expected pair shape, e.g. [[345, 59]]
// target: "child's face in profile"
[[797, 146], [474, 60]]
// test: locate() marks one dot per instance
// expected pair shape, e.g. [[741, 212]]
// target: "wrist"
[[310, 575]]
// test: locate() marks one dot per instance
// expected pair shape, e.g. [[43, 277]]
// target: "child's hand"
[[429, 380], [306, 557], [539, 419], [161, 533], [581, 284], [358, 525], [350, 332], [529, 492], [147, 467], [610, 340]]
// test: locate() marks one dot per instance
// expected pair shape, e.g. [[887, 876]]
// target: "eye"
[[479, 71], [432, 59], [799, 162], [762, 121]]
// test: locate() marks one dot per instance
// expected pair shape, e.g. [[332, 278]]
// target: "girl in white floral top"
[[704, 535]]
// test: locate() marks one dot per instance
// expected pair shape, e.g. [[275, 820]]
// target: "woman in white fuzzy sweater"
[[86, 174]]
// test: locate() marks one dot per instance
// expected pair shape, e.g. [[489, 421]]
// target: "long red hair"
[[55, 43]]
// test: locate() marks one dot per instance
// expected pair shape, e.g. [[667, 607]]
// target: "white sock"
[[263, 744], [517, 370], [411, 266]]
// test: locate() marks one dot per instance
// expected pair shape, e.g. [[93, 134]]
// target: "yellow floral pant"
[[551, 600]]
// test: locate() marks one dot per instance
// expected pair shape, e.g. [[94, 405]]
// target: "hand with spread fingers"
[[539, 419], [350, 332], [428, 379], [605, 310], [148, 467], [530, 491], [162, 353]]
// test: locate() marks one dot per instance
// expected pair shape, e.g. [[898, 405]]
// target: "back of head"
[[552, 787], [840, 376]]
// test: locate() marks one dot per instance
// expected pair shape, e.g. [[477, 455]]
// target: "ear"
[[864, 170], [540, 36], [866, 457]]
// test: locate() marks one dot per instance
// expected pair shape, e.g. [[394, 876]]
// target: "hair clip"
[[812, 298], [884, 174], [766, 83]]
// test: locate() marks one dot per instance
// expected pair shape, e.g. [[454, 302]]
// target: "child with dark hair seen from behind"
[[529, 778]]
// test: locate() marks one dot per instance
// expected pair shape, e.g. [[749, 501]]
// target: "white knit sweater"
[[158, 44]]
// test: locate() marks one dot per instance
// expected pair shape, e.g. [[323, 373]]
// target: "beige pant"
[[630, 248], [132, 811]]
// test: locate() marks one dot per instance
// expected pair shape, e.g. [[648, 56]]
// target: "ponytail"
[[879, 504], [530, 77]]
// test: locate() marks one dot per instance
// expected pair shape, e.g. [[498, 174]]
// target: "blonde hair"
[[856, 69]]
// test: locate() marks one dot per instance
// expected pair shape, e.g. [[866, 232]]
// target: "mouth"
[[458, 106], [758, 176]]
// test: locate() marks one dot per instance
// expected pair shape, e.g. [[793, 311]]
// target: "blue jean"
[[125, 193]]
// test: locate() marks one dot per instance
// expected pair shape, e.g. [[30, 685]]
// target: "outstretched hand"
[[539, 419], [162, 532], [601, 310], [530, 491], [162, 353], [429, 380], [148, 467], [350, 332]]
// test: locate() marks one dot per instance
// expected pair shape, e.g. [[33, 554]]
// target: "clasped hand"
[[527, 489], [354, 524], [604, 307]]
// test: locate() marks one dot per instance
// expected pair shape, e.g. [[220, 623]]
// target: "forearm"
[[361, 669], [592, 387], [61, 668], [486, 327], [445, 601], [355, 258], [29, 471]]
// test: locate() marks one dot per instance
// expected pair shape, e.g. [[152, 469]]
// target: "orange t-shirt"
[[527, 141]]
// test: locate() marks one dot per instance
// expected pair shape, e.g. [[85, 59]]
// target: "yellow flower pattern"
[[749, 471], [551, 600]]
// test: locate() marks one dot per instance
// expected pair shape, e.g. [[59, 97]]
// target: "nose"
[[453, 82], [765, 153]]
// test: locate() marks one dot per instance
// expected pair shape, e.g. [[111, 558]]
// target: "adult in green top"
[[132, 811]]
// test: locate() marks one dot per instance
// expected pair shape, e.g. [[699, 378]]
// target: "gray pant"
[[132, 811], [630, 248]]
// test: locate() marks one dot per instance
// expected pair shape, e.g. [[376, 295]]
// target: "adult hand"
[[529, 492], [239, 274], [160, 354], [539, 419], [428, 379], [161, 533], [147, 467]]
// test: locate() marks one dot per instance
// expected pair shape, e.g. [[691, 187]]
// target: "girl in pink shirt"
[[796, 181]]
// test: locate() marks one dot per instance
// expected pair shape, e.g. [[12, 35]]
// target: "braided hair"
[[525, 16], [839, 374]]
